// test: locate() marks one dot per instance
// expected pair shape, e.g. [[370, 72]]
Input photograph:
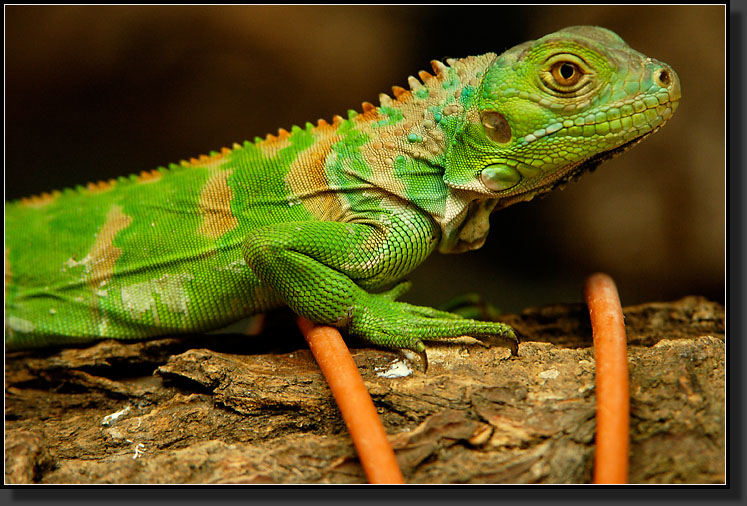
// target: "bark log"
[[230, 410]]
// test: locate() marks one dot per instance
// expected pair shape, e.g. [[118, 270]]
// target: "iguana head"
[[550, 109]]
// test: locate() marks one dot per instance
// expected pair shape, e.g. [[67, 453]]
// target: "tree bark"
[[214, 409]]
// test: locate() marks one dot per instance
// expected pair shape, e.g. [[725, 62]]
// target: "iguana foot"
[[383, 321]]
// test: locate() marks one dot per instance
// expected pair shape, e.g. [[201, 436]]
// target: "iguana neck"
[[399, 148]]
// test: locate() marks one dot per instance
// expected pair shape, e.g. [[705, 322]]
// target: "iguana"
[[328, 218]]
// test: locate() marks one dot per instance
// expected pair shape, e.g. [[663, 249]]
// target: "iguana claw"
[[510, 341], [420, 352]]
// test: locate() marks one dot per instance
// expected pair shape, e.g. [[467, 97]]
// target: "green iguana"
[[326, 216]]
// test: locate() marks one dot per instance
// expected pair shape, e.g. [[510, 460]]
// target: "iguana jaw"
[[572, 171]]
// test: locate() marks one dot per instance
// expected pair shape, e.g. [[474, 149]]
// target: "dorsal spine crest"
[[443, 78]]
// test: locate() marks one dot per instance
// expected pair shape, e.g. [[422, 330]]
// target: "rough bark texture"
[[224, 409]]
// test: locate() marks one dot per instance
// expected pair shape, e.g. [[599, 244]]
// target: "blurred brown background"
[[97, 92]]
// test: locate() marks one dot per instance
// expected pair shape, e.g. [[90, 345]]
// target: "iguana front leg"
[[323, 271]]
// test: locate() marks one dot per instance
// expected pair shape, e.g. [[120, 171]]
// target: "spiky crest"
[[401, 95]]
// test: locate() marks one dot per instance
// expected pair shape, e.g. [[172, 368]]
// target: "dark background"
[[98, 92]]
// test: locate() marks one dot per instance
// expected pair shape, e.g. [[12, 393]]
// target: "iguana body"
[[322, 217]]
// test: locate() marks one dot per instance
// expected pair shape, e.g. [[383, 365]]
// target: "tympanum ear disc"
[[496, 126]]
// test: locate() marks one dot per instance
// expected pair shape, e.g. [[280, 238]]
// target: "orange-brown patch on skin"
[[271, 145], [104, 254], [401, 94], [370, 113], [100, 186], [425, 76], [149, 176], [40, 200], [439, 68], [8, 273], [307, 179], [208, 161], [215, 205]]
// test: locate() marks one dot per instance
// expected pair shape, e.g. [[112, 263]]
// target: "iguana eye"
[[566, 73]]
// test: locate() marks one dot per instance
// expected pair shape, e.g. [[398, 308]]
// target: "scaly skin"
[[322, 218]]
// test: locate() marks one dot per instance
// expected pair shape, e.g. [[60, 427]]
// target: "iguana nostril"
[[662, 78]]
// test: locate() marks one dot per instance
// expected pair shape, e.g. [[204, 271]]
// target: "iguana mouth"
[[590, 164], [573, 172]]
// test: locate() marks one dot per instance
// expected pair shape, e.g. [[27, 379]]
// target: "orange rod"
[[352, 397], [613, 397]]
